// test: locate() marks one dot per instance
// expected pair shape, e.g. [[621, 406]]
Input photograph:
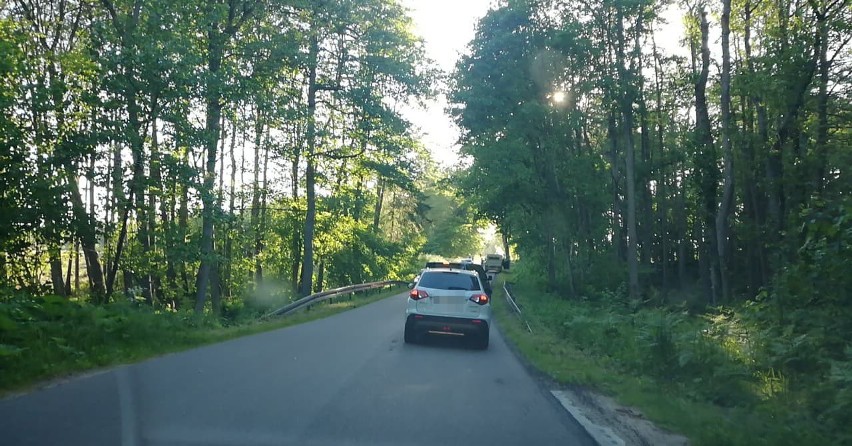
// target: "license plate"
[[436, 300]]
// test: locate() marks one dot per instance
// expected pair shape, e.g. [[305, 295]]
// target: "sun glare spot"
[[559, 97]]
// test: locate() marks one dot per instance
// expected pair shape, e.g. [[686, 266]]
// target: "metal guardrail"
[[328, 294], [516, 308]]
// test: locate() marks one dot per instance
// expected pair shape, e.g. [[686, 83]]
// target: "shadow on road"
[[449, 342]]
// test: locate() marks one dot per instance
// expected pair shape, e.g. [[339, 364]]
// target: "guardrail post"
[[515, 306]]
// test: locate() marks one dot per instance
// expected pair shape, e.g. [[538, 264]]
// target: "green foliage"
[[110, 114], [721, 359], [362, 255], [452, 227], [44, 336], [553, 96], [532, 173], [820, 274]]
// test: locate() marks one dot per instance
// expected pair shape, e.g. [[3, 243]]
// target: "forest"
[[183, 153], [685, 198], [678, 205]]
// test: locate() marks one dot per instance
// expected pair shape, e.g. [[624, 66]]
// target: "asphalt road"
[[345, 380]]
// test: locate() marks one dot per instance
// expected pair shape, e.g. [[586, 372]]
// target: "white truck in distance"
[[493, 263]]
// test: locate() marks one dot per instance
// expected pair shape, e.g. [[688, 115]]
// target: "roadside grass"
[[670, 368], [43, 339]]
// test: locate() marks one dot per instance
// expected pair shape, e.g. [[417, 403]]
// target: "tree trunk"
[[296, 242], [728, 156], [392, 219], [569, 255], [259, 245], [117, 200], [127, 30], [550, 245], [4, 270], [229, 236], [183, 232], [85, 223], [157, 180], [683, 232], [358, 212], [223, 138], [92, 210], [820, 147], [380, 198], [310, 175], [214, 99], [706, 170], [255, 196], [320, 275], [508, 257], [67, 284], [119, 249], [56, 279], [617, 206], [215, 51], [138, 190], [216, 290], [663, 200], [753, 187], [645, 220], [296, 247], [76, 267], [88, 240], [626, 105]]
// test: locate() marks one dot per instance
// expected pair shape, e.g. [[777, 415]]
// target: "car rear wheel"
[[410, 335], [481, 341]]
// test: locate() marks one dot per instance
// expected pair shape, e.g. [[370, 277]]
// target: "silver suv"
[[448, 302]]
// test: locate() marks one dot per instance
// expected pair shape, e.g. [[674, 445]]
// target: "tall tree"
[[727, 202], [221, 28]]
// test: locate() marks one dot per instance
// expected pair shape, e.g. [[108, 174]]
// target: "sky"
[[446, 27]]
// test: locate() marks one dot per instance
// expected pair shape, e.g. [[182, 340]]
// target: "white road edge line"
[[602, 435]]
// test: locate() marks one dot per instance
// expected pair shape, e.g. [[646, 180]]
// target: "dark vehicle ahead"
[[480, 271]]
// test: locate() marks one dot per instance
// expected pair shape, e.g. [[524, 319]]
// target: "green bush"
[[728, 357], [43, 336], [46, 337]]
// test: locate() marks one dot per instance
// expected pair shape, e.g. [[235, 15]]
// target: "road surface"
[[345, 380]]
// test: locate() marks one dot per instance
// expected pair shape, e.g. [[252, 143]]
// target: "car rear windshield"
[[445, 280]]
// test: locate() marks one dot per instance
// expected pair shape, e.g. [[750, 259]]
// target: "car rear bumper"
[[447, 326]]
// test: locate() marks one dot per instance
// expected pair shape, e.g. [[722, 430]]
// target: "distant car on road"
[[448, 302]]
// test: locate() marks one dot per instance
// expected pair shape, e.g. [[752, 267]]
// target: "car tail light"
[[481, 299], [418, 294]]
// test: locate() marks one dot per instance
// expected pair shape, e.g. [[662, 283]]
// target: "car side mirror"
[[411, 285]]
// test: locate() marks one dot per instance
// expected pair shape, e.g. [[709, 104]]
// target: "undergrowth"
[[720, 377], [49, 337]]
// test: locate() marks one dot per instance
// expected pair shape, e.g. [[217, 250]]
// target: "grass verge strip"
[[48, 339], [567, 358]]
